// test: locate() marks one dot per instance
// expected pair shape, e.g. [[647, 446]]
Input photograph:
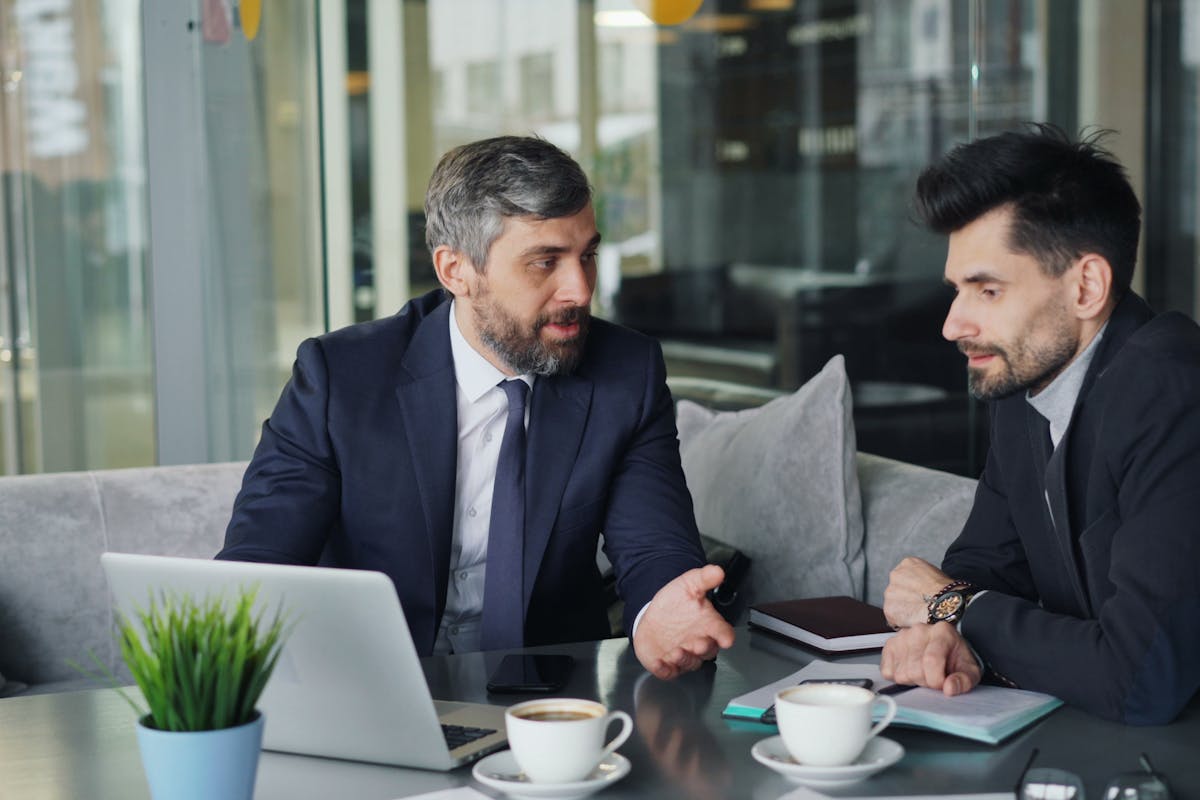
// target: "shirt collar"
[[1057, 401], [474, 373]]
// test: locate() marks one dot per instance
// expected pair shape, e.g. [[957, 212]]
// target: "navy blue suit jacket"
[[356, 468], [1103, 608]]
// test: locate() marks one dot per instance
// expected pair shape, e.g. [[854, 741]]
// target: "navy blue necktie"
[[503, 624]]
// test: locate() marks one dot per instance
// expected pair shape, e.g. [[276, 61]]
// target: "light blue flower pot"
[[202, 765]]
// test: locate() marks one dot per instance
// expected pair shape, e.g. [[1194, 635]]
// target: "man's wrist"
[[638, 621]]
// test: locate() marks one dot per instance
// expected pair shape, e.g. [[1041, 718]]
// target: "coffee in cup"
[[828, 724], [559, 740], [557, 715]]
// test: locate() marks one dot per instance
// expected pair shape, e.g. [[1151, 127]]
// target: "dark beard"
[[526, 352], [1031, 370]]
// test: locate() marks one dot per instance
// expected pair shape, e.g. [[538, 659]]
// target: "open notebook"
[[986, 714]]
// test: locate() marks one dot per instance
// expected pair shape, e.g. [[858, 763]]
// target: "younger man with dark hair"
[[1078, 570]]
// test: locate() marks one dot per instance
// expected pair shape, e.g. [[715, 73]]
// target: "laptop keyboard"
[[458, 735]]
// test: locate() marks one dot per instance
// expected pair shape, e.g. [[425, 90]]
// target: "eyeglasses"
[[1049, 783]]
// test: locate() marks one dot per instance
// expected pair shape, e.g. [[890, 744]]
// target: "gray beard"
[[527, 353]]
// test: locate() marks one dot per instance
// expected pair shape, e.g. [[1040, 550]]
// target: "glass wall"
[[75, 334], [753, 168], [159, 260], [263, 288], [188, 189], [1173, 165]]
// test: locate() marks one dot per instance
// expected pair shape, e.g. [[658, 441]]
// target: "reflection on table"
[[82, 744]]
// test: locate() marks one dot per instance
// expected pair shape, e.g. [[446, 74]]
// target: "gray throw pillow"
[[10, 688], [780, 483]]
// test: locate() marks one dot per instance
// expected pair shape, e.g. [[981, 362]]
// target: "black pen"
[[896, 688]]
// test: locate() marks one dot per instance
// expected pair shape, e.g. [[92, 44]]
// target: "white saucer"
[[500, 771], [880, 753]]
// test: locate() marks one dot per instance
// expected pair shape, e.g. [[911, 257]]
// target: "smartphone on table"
[[530, 673]]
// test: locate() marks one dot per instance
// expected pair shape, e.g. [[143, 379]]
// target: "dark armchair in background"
[[774, 327]]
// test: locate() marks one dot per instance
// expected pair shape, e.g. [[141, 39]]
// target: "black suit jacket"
[[1101, 609], [356, 468]]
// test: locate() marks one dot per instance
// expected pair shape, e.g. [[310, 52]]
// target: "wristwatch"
[[949, 604]]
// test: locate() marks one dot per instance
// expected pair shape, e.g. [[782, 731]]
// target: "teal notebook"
[[985, 714]]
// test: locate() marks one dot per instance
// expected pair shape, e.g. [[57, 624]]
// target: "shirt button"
[[471, 511], [454, 629], [487, 437], [462, 576]]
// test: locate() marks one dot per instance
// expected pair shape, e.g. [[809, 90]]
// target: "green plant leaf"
[[201, 664]]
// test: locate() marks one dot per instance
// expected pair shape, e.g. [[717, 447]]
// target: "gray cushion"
[[779, 482], [51, 587], [12, 688], [169, 511], [54, 603], [908, 511]]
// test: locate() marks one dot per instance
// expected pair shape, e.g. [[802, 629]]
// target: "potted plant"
[[201, 666]]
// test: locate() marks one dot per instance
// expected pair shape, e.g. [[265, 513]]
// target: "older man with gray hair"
[[475, 445]]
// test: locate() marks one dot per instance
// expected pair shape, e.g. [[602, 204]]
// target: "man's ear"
[[1093, 287], [453, 270]]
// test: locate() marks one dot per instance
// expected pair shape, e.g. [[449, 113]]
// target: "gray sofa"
[[830, 521], [54, 604]]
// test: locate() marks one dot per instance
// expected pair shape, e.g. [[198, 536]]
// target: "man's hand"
[[909, 584], [680, 629], [936, 656]]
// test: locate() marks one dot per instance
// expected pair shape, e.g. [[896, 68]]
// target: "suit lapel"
[[1130, 314], [1038, 429], [1056, 495], [1048, 465], [1064, 473], [426, 390], [557, 418]]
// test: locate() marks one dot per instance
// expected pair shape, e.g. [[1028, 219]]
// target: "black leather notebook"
[[830, 624]]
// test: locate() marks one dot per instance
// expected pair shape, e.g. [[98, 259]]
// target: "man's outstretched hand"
[[680, 629]]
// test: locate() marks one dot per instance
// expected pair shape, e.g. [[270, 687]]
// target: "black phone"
[[865, 683], [531, 673]]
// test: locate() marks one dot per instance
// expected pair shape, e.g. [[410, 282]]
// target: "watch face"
[[947, 606]]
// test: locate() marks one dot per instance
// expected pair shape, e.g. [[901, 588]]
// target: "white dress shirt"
[[482, 410]]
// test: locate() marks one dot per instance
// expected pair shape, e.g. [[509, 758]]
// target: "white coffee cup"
[[828, 724], [559, 740]]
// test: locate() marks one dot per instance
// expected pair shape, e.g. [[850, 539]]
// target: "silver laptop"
[[348, 683]]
